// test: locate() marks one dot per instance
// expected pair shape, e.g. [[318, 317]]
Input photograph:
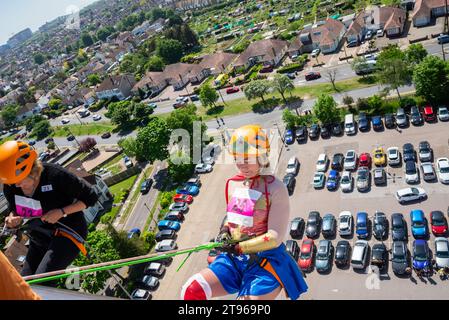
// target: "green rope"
[[74, 271]]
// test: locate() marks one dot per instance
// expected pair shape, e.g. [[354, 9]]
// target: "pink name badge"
[[28, 208], [240, 209]]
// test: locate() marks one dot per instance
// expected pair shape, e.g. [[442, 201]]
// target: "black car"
[[301, 133], [408, 152], [363, 122], [325, 132], [290, 182], [338, 161], [400, 257], [398, 227], [380, 226], [329, 225], [297, 226], [415, 116], [146, 185], [292, 248], [379, 255], [314, 131], [389, 121], [342, 253], [70, 138], [165, 235], [48, 140], [313, 224], [106, 135], [336, 129]]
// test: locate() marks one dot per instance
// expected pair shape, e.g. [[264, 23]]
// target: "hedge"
[[290, 67]]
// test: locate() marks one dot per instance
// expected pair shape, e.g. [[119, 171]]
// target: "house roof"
[[325, 34], [76, 167], [424, 7], [392, 17], [185, 70], [389, 17], [114, 82], [261, 48], [26, 108], [151, 79], [217, 60]]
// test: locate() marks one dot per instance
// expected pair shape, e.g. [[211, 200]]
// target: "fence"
[[122, 176]]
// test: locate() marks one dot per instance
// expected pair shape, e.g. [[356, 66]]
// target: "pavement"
[[204, 218]]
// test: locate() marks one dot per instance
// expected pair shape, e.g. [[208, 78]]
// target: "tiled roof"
[[261, 48]]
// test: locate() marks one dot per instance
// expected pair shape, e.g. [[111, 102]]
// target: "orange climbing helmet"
[[249, 141], [16, 161]]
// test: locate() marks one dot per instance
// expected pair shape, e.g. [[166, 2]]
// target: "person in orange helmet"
[[254, 263], [47, 195]]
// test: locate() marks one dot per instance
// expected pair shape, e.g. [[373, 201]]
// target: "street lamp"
[[149, 210]]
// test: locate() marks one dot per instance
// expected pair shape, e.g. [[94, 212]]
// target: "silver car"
[[443, 114], [345, 223], [346, 182], [394, 157], [350, 162], [442, 252], [363, 179], [428, 171]]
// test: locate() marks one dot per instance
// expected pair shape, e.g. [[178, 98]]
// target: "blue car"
[[168, 225], [188, 189], [289, 136], [362, 225], [332, 180], [377, 122], [419, 224], [421, 255], [134, 233]]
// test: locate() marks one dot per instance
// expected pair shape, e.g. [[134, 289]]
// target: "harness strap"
[[76, 242], [265, 264]]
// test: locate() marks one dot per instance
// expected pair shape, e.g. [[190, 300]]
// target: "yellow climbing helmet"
[[249, 141]]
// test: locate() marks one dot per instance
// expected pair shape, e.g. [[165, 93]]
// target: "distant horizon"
[[22, 14]]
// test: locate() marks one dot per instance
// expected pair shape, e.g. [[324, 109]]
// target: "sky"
[[17, 15]]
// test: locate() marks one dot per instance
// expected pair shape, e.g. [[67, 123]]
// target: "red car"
[[439, 223], [429, 114], [266, 69], [232, 90], [365, 160], [305, 260], [212, 255], [312, 75], [183, 198]]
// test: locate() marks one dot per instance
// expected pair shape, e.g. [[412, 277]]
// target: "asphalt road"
[[205, 216]]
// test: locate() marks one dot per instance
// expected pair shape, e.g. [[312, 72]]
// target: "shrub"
[[290, 67], [362, 104], [407, 101], [166, 199]]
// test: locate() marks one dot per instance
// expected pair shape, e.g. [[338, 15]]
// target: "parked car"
[[188, 189], [179, 104], [314, 131], [377, 123], [324, 256], [167, 234], [410, 194], [400, 257], [379, 156], [428, 172], [337, 161], [171, 225], [379, 256], [408, 152], [48, 140], [292, 166], [33, 142], [155, 269], [325, 131], [345, 223], [365, 160], [128, 162], [398, 227], [319, 180], [360, 254], [65, 121], [369, 34], [394, 156], [179, 206], [174, 216], [352, 43], [297, 226], [363, 122], [232, 90], [289, 136], [291, 76], [438, 223], [292, 248], [183, 198], [363, 179], [421, 255], [380, 33], [443, 113], [96, 117], [441, 252], [313, 224], [141, 294], [425, 151], [443, 38], [342, 253], [379, 177], [418, 224], [166, 245], [429, 114], [149, 283], [411, 172], [266, 69], [69, 138], [380, 226], [305, 261], [350, 162], [336, 129], [315, 52], [146, 185], [290, 183], [346, 182], [203, 168], [401, 118], [333, 180], [415, 116], [312, 75], [329, 225], [301, 133], [133, 233], [194, 181], [322, 163], [106, 135], [362, 225], [389, 121], [443, 169], [194, 97]]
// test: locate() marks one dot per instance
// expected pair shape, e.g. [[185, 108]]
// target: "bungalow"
[[218, 62], [27, 111], [180, 74], [116, 86], [425, 10], [268, 51], [152, 83]]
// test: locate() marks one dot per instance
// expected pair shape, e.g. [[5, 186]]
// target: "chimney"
[[274, 51]]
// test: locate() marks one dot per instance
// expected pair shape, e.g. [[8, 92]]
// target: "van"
[[359, 258], [155, 269], [349, 124]]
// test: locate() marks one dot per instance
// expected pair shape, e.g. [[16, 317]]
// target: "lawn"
[[114, 165], [83, 129]]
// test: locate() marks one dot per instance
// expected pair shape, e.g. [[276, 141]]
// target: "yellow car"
[[379, 157]]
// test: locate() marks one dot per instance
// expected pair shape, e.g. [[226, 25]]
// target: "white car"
[[442, 252], [182, 99], [443, 114], [350, 162], [411, 172], [380, 33], [315, 53], [166, 245], [345, 223], [96, 117], [346, 182], [428, 173], [443, 169], [410, 194], [65, 121], [322, 163], [393, 155], [292, 166], [203, 168]]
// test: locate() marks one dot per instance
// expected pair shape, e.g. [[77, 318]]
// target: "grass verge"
[[83, 129]]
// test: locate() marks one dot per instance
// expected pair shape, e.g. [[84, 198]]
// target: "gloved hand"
[[225, 237]]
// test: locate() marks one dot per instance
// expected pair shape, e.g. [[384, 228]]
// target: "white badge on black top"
[[47, 188]]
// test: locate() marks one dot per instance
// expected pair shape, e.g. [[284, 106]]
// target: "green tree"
[[184, 118], [104, 32], [169, 50], [42, 129], [126, 247], [155, 63], [431, 78], [129, 146], [359, 64], [133, 63], [9, 114], [31, 121], [325, 109], [208, 95], [375, 102], [156, 13], [93, 79], [290, 119], [54, 103], [257, 89], [39, 58], [86, 39], [141, 111], [152, 141], [180, 167], [282, 84], [120, 113], [241, 46], [415, 53], [392, 68]]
